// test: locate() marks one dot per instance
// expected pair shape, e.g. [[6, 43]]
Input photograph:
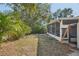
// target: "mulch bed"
[[26, 46]]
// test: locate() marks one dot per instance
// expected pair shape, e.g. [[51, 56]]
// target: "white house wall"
[[78, 35]]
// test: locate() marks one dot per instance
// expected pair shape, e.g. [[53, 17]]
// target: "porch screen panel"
[[69, 21], [53, 28], [63, 31], [73, 31], [57, 29], [50, 28]]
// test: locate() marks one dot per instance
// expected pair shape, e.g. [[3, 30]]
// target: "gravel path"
[[48, 46]]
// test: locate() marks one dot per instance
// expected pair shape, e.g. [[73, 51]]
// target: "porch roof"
[[68, 18], [59, 19]]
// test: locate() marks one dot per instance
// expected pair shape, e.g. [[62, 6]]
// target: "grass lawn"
[[48, 46], [24, 46]]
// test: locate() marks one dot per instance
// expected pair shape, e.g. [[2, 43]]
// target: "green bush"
[[37, 28], [12, 29], [20, 27]]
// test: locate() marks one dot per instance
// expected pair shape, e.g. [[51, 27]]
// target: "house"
[[65, 30]]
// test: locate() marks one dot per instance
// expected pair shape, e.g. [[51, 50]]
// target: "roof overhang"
[[68, 18], [59, 19]]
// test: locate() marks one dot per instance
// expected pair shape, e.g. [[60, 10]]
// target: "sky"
[[54, 7], [74, 6], [4, 7]]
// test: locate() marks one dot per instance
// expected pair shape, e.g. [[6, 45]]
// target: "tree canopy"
[[63, 13], [25, 18]]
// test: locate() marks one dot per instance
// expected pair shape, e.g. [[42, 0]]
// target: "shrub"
[[37, 28], [12, 29]]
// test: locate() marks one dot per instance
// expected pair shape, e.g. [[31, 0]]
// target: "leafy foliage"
[[23, 19], [32, 13], [63, 13], [12, 29]]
